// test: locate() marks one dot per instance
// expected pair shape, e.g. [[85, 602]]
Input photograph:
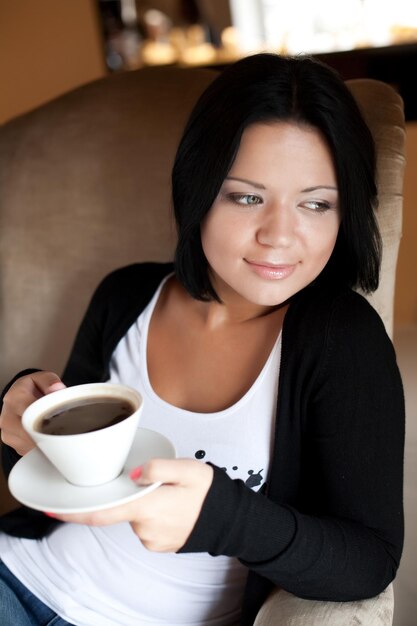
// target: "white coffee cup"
[[86, 458]]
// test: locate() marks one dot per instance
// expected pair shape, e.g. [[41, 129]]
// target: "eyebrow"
[[260, 186], [245, 180], [320, 187]]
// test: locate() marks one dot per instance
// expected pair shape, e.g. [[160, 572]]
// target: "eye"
[[248, 199], [318, 206]]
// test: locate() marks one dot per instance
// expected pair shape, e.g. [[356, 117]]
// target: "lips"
[[271, 271]]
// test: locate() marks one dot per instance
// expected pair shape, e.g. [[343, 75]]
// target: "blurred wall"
[[48, 47]]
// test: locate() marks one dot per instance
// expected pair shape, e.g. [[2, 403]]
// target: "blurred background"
[[143, 32]]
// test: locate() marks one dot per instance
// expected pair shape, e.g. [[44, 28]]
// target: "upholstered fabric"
[[284, 609], [384, 112], [85, 188]]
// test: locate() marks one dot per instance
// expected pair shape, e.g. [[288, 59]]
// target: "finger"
[[21, 394], [13, 433], [167, 471], [28, 389], [18, 398], [20, 442], [171, 472], [106, 517], [47, 382]]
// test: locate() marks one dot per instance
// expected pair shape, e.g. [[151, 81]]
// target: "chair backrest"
[[383, 110], [85, 188]]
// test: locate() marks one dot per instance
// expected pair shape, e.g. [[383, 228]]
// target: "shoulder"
[[323, 323], [138, 275], [118, 300], [129, 287], [123, 294], [353, 322], [319, 308]]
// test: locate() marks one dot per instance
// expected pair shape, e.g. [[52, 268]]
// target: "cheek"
[[328, 243], [322, 240], [217, 235], [207, 236]]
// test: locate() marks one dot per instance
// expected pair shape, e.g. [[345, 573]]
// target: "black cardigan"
[[329, 525]]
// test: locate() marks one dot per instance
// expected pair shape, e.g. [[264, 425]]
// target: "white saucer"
[[35, 482]]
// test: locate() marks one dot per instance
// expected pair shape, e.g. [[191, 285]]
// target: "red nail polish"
[[49, 514], [136, 473]]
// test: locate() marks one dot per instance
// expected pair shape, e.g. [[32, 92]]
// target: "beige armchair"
[[85, 188]]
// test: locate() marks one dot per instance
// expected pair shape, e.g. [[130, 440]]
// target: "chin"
[[268, 300], [278, 295]]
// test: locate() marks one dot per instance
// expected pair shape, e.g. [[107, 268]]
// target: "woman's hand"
[[164, 518], [20, 395]]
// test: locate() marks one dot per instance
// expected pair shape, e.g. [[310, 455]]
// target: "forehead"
[[284, 145], [282, 133]]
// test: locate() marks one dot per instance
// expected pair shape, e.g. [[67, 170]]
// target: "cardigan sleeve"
[[341, 539]]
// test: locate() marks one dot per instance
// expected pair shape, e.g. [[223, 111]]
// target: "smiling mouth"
[[271, 271]]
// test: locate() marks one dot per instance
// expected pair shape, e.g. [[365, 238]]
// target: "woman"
[[276, 382]]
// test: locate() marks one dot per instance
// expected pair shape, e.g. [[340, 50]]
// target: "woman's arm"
[[341, 538]]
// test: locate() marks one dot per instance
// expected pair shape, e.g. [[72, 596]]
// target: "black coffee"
[[73, 419]]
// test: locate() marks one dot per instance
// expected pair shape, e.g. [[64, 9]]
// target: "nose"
[[277, 227]]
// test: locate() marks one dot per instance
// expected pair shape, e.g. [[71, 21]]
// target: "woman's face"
[[274, 224]]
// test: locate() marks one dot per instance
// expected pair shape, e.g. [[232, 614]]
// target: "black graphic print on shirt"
[[254, 478]]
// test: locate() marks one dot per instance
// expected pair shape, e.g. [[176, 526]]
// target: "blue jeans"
[[19, 607]]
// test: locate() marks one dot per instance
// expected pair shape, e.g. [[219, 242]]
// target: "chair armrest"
[[288, 610]]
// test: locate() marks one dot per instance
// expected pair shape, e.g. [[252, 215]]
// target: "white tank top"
[[104, 576]]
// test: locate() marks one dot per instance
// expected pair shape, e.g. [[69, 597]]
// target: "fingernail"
[[49, 514], [56, 386], [136, 473]]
